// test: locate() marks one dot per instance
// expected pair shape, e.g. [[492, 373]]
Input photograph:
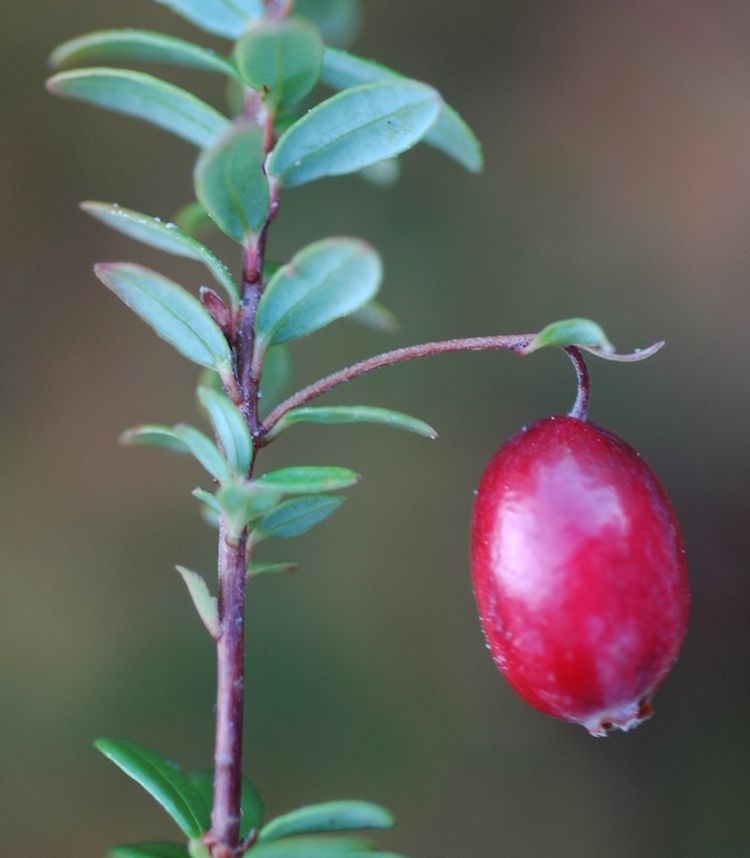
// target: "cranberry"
[[579, 573]]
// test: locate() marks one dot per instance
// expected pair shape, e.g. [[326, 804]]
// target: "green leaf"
[[205, 604], [153, 435], [145, 97], [277, 374], [230, 428], [376, 317], [150, 850], [297, 516], [174, 314], [228, 18], [255, 569], [230, 182], [308, 479], [319, 847], [353, 414], [163, 780], [323, 282], [251, 804], [193, 219], [204, 450], [163, 236], [450, 134], [353, 129], [244, 502], [211, 517], [586, 335], [207, 499], [141, 46], [280, 60], [571, 332], [384, 173], [329, 816], [339, 21]]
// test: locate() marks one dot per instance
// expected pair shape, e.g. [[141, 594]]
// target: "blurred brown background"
[[617, 140]]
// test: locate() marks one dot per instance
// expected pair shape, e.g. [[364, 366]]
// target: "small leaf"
[[150, 850], [384, 173], [228, 18], [230, 182], [163, 236], [204, 450], [339, 21], [174, 314], [353, 129], [244, 502], [255, 569], [330, 816], [323, 282], [145, 97], [308, 479], [277, 374], [230, 428], [353, 414], [280, 60], [376, 317], [319, 847], [297, 516], [453, 137], [193, 219], [627, 357], [450, 134], [163, 780], [139, 46], [207, 498], [205, 603], [571, 332], [153, 435], [251, 804], [211, 517]]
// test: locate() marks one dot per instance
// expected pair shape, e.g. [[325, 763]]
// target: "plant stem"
[[580, 409], [510, 342], [224, 837]]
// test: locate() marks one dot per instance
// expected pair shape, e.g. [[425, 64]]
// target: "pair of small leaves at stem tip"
[[187, 798]]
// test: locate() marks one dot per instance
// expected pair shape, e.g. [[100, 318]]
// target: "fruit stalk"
[[580, 409], [510, 342]]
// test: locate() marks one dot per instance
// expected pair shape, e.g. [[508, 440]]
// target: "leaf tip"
[[51, 83]]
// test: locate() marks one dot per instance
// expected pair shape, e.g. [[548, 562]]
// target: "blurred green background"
[[617, 187]]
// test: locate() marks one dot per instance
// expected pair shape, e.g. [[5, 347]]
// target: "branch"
[[509, 342]]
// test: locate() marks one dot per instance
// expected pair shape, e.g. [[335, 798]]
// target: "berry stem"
[[580, 409], [510, 342]]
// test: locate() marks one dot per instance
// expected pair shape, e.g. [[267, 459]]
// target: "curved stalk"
[[580, 409], [509, 342]]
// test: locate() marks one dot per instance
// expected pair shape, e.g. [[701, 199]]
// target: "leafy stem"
[[233, 559]]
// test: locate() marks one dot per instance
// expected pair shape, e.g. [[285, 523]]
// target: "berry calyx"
[[579, 573]]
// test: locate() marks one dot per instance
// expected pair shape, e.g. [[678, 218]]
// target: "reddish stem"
[[511, 342], [224, 838], [580, 409]]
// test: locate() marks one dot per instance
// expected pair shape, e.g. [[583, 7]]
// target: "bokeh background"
[[617, 186]]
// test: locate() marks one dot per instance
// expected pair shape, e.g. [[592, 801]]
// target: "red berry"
[[579, 573]]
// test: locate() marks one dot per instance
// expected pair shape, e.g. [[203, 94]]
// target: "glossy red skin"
[[579, 573]]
